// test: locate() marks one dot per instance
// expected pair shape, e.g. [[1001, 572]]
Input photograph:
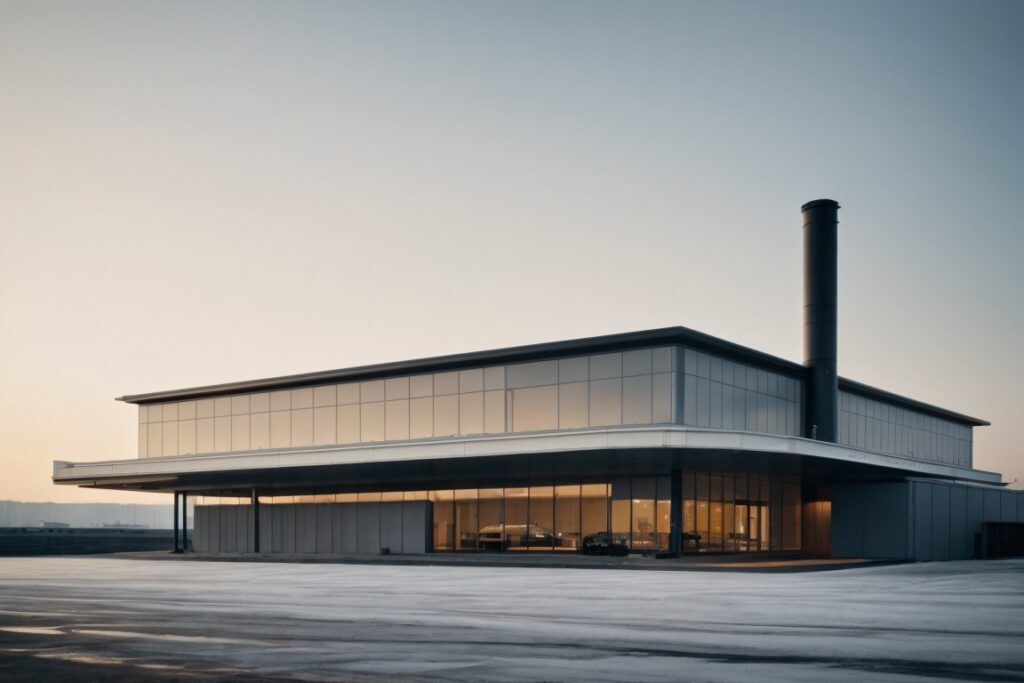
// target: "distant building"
[[658, 441]]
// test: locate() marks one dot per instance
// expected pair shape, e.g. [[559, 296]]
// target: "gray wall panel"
[[1008, 506], [940, 522], [368, 527], [202, 521], [349, 528], [958, 546], [266, 528], [391, 527], [886, 525], [287, 528], [991, 506], [277, 531], [922, 521], [416, 527], [847, 521], [324, 524], [305, 528]]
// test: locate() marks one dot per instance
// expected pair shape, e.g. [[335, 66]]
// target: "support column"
[[176, 547], [255, 522], [675, 543], [184, 521]]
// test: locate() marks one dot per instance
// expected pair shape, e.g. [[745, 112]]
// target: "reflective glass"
[[636, 400], [541, 518], [240, 405], [143, 440], [348, 424], [573, 370], [170, 412], [325, 419], [491, 535], [372, 422], [222, 433], [281, 429], [573, 405], [421, 418], [421, 386], [446, 415], [222, 406], [302, 398], [396, 388], [661, 395], [567, 517], [186, 437], [661, 359], [170, 435], [471, 380], [534, 408], [605, 402], [204, 435], [516, 518], [532, 374], [259, 426], [446, 383], [240, 432], [302, 424], [494, 412], [259, 403], [396, 420], [471, 412], [187, 410], [467, 525], [594, 517], [325, 396], [348, 393], [155, 447], [280, 400], [606, 366], [637, 362], [494, 377]]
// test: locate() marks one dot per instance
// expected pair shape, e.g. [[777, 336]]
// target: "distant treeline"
[[16, 514]]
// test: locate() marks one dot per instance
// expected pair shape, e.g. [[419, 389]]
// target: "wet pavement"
[[106, 619]]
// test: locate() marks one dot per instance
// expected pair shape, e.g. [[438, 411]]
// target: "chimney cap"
[[820, 202]]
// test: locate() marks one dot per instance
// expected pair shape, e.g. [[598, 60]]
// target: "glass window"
[[643, 523], [240, 432], [280, 400], [325, 420], [446, 415], [661, 359], [494, 378], [170, 436], [471, 412], [155, 447], [302, 424], [534, 408], [302, 398], [240, 405], [605, 402], [621, 508], [636, 400], [281, 429], [348, 424], [471, 380], [593, 512], [259, 403], [446, 383], [573, 405], [222, 406], [186, 437], [397, 419], [567, 517], [143, 414], [205, 435], [396, 388], [421, 418], [516, 518], [259, 426], [222, 433], [541, 518], [187, 410], [372, 423], [715, 419], [703, 365], [170, 412], [444, 519], [661, 390], [532, 374], [467, 525], [143, 440], [636, 362], [573, 370], [421, 386], [494, 412], [491, 535], [325, 396], [606, 366], [690, 400], [347, 394]]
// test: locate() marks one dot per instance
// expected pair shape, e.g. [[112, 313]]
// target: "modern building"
[[662, 441]]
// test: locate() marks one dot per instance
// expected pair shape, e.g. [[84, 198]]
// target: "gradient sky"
[[193, 193]]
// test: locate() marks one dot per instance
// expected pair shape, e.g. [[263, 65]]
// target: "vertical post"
[[821, 229], [255, 521], [184, 521], [176, 522], [675, 543]]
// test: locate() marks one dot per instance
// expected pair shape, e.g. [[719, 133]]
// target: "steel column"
[[675, 541], [176, 548], [255, 522]]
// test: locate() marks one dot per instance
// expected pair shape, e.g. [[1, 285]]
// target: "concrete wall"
[[401, 527], [916, 520]]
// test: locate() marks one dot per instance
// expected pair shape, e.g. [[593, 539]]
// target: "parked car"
[[503, 537], [603, 543]]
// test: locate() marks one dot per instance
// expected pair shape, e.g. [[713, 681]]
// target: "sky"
[[194, 193]]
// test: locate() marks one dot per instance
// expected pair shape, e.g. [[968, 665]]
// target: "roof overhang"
[[165, 473]]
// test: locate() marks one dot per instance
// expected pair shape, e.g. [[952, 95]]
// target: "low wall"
[[24, 541], [400, 527], [917, 519]]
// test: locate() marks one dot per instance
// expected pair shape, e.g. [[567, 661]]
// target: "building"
[[661, 441]]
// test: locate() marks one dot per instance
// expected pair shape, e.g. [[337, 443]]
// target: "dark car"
[[603, 543], [503, 537]]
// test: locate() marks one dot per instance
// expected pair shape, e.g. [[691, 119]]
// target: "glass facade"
[[877, 426], [739, 512], [725, 394], [634, 387]]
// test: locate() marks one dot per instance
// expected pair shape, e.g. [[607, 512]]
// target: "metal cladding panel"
[[975, 516], [349, 529], [336, 522], [992, 506], [922, 521], [886, 508], [287, 528], [847, 521], [959, 549], [226, 530], [416, 527], [266, 528], [277, 525], [201, 542], [305, 528], [940, 522], [368, 527], [324, 528], [391, 527], [1008, 512], [1020, 506]]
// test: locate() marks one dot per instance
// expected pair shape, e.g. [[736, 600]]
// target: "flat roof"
[[683, 336]]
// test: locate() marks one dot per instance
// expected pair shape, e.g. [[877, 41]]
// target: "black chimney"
[[821, 225]]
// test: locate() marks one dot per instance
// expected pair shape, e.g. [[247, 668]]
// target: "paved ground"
[[113, 619]]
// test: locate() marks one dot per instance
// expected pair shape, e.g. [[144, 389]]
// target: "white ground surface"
[[157, 620]]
